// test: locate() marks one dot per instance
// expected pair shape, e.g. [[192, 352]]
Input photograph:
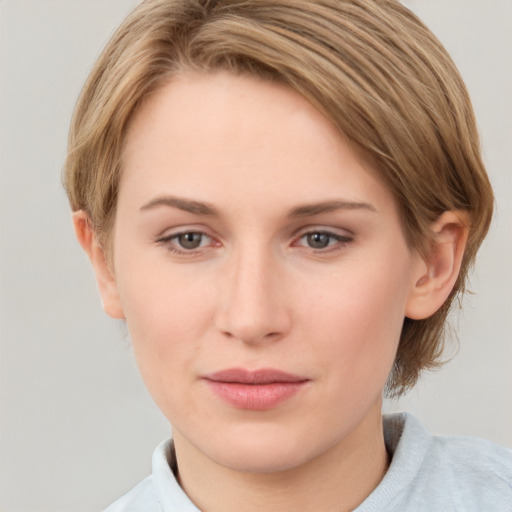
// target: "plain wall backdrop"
[[77, 427]]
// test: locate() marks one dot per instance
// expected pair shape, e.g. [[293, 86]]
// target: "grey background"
[[77, 427]]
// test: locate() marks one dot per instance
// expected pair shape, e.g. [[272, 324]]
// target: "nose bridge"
[[254, 305]]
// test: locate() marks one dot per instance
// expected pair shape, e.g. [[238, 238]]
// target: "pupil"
[[190, 240], [318, 240]]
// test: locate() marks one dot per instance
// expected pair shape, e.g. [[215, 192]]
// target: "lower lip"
[[256, 397]]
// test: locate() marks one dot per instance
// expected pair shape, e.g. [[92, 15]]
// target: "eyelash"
[[341, 241]]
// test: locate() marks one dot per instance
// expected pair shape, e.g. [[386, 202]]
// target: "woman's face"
[[262, 271]]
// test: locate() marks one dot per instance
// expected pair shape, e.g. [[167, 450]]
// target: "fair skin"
[[249, 235]]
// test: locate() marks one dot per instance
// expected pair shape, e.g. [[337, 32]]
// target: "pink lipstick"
[[257, 390]]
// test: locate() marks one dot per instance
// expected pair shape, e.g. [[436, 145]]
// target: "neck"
[[337, 480]]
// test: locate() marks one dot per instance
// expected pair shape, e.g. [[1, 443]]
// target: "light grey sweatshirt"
[[427, 474]]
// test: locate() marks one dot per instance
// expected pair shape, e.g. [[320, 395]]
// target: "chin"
[[264, 450], [261, 461]]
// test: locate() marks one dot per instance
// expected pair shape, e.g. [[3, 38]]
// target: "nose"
[[254, 305]]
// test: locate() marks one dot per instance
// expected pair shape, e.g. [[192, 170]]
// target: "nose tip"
[[254, 307], [254, 319]]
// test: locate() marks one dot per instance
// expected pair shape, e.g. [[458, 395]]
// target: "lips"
[[255, 390]]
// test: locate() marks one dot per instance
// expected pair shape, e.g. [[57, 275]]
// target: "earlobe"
[[104, 276], [436, 277]]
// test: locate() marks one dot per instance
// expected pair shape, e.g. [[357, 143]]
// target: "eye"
[[186, 242], [319, 240]]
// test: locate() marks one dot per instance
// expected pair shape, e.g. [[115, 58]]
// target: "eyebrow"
[[187, 205], [329, 206], [307, 210]]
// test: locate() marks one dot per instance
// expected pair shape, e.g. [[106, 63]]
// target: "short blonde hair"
[[370, 66]]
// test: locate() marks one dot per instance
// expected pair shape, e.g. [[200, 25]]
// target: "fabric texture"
[[427, 473]]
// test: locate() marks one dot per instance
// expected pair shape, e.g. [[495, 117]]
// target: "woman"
[[282, 200]]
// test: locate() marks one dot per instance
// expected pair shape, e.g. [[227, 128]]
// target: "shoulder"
[[474, 467], [142, 498], [441, 473], [158, 492]]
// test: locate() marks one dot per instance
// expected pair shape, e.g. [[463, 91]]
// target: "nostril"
[[251, 335]]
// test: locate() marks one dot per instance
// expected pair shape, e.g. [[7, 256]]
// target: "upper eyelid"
[[323, 232], [338, 237], [177, 231], [323, 229], [184, 232], [173, 236]]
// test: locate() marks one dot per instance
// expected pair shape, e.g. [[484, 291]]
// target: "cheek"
[[167, 313], [357, 322], [167, 322]]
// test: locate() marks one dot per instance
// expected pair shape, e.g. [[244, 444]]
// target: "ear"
[[104, 276], [435, 278]]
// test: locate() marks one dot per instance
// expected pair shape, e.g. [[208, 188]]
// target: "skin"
[[259, 292]]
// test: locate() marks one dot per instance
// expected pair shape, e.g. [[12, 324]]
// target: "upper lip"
[[260, 376]]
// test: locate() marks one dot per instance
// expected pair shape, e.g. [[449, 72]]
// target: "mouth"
[[256, 390]]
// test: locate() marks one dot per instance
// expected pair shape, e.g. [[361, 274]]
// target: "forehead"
[[216, 135]]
